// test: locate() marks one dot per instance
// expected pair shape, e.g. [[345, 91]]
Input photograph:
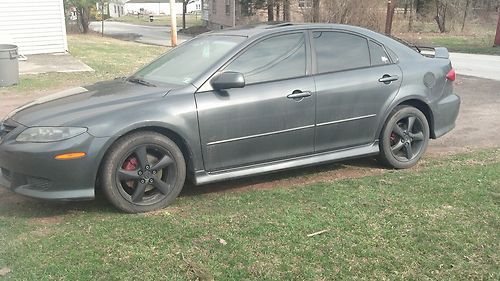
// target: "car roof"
[[263, 29], [275, 27]]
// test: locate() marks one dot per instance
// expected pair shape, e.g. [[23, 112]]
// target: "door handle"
[[387, 79], [298, 94]]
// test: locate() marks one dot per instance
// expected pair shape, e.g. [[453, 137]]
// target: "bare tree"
[[440, 18], [316, 10], [467, 4]]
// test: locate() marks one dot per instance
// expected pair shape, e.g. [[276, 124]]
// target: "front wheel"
[[142, 172], [404, 138]]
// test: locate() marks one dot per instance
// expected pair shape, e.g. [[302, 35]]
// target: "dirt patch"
[[476, 128]]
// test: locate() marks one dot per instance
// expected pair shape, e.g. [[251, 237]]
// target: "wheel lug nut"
[[139, 173], [154, 172], [151, 180], [143, 181], [147, 167]]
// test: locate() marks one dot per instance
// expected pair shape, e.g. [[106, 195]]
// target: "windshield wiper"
[[140, 81]]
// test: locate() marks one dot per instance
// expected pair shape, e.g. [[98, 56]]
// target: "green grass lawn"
[[440, 220], [109, 58], [472, 44], [159, 20]]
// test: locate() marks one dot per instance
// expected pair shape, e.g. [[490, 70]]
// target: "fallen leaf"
[[222, 241], [4, 271]]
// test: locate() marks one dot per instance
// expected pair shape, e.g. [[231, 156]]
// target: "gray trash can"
[[9, 65]]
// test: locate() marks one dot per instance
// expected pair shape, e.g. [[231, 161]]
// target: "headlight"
[[49, 134]]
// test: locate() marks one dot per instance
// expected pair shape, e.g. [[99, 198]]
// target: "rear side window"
[[337, 51], [378, 56], [276, 58]]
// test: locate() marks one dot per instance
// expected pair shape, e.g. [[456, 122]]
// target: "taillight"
[[451, 75]]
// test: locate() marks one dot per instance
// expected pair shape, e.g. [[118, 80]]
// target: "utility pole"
[[102, 18], [390, 15], [234, 13], [497, 37], [173, 23]]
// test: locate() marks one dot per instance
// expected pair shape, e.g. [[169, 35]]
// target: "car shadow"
[[14, 205]]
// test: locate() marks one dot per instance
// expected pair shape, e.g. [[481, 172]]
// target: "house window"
[[214, 7], [305, 3], [228, 7], [246, 8], [115, 9]]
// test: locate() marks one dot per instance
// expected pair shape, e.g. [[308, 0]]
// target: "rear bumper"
[[445, 115], [31, 170]]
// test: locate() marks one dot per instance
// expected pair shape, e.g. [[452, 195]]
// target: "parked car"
[[230, 104]]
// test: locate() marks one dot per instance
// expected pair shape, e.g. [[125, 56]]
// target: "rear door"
[[355, 81], [262, 121]]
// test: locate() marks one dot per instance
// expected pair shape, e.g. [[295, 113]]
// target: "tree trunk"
[[83, 19], [286, 10], [441, 16], [184, 11], [277, 11], [270, 10], [316, 11], [467, 3], [410, 19], [390, 15], [497, 37]]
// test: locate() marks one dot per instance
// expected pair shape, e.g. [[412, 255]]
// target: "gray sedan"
[[230, 104]]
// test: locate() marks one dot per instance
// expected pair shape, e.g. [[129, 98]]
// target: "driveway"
[[155, 35]]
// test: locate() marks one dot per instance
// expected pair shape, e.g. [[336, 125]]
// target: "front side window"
[[277, 58], [337, 51], [189, 61]]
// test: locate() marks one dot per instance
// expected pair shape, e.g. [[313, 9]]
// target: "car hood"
[[72, 107]]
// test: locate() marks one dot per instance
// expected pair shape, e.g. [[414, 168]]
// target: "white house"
[[157, 7], [113, 8], [35, 26]]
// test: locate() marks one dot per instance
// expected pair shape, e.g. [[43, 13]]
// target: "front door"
[[263, 121]]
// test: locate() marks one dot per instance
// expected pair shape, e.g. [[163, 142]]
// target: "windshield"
[[187, 62]]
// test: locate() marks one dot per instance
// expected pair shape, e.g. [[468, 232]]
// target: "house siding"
[[37, 27], [220, 19]]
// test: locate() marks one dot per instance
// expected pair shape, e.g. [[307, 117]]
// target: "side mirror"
[[228, 80]]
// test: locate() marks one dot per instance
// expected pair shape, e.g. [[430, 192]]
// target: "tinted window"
[[276, 58], [336, 51], [378, 55]]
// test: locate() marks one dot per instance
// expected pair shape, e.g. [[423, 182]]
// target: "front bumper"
[[31, 170]]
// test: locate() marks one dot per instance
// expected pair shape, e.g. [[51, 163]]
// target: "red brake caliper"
[[393, 138], [130, 165]]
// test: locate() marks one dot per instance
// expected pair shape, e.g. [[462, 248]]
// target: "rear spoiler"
[[431, 52]]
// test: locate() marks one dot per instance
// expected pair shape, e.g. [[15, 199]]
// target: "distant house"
[[152, 7], [37, 27], [113, 8], [221, 13]]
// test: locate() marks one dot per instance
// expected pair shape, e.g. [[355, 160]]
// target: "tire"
[[400, 147], [142, 172]]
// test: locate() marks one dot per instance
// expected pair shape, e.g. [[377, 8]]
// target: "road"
[[155, 35]]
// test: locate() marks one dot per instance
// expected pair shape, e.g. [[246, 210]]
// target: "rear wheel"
[[404, 138], [143, 171]]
